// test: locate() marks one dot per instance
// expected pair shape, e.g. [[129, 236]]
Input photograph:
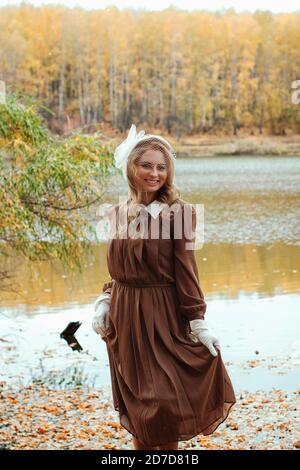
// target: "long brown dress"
[[165, 387]]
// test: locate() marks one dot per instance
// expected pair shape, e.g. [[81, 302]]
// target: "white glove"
[[200, 332], [104, 297], [100, 321]]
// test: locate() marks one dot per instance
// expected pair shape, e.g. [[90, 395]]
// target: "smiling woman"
[[150, 171], [166, 386]]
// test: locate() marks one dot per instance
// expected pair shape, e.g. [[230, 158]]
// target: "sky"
[[275, 6]]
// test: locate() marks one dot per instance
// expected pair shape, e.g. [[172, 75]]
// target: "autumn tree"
[[47, 186]]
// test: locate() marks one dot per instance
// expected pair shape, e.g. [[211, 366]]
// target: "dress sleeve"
[[189, 293]]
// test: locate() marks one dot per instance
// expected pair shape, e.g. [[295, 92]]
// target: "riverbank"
[[246, 145], [205, 145], [36, 417]]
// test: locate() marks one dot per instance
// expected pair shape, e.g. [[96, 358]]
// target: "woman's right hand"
[[100, 321]]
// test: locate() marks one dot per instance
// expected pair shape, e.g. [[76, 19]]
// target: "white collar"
[[154, 208]]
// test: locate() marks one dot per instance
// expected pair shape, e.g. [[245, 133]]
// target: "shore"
[[36, 417], [206, 145], [209, 145], [244, 145]]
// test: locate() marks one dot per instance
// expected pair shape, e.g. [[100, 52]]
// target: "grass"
[[62, 379]]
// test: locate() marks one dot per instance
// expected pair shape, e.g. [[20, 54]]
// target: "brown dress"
[[165, 387]]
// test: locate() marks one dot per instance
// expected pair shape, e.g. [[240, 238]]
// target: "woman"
[[168, 379]]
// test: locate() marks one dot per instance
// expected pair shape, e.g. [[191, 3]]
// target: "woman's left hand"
[[200, 332]]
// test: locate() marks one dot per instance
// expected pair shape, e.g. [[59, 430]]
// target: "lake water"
[[249, 270]]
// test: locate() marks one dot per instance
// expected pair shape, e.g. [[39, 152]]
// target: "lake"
[[249, 269]]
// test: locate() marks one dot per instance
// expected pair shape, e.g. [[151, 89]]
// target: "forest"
[[179, 72]]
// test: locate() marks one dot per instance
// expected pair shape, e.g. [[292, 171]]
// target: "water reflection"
[[226, 271]]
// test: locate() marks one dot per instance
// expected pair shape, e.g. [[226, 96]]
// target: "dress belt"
[[130, 284]]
